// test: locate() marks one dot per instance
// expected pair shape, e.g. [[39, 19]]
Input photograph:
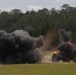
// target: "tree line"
[[39, 23]]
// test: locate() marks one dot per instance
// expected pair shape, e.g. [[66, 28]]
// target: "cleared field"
[[39, 69]]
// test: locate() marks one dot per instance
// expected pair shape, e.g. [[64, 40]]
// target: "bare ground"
[[46, 59]]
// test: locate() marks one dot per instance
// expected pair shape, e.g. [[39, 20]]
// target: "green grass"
[[39, 69]]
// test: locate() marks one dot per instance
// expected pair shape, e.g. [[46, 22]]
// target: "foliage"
[[39, 23]]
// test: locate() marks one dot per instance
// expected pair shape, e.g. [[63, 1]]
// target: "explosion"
[[67, 50], [19, 47]]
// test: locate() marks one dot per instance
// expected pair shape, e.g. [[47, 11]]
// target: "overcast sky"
[[34, 4]]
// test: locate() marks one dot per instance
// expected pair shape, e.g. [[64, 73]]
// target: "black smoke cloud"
[[19, 47], [64, 35]]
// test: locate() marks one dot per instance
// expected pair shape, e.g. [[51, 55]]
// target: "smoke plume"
[[19, 47], [64, 35]]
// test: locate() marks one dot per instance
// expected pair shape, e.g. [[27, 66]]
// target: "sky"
[[24, 5]]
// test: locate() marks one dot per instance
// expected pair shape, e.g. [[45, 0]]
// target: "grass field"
[[39, 69]]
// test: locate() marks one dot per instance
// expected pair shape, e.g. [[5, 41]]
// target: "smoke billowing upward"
[[64, 35], [19, 47]]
